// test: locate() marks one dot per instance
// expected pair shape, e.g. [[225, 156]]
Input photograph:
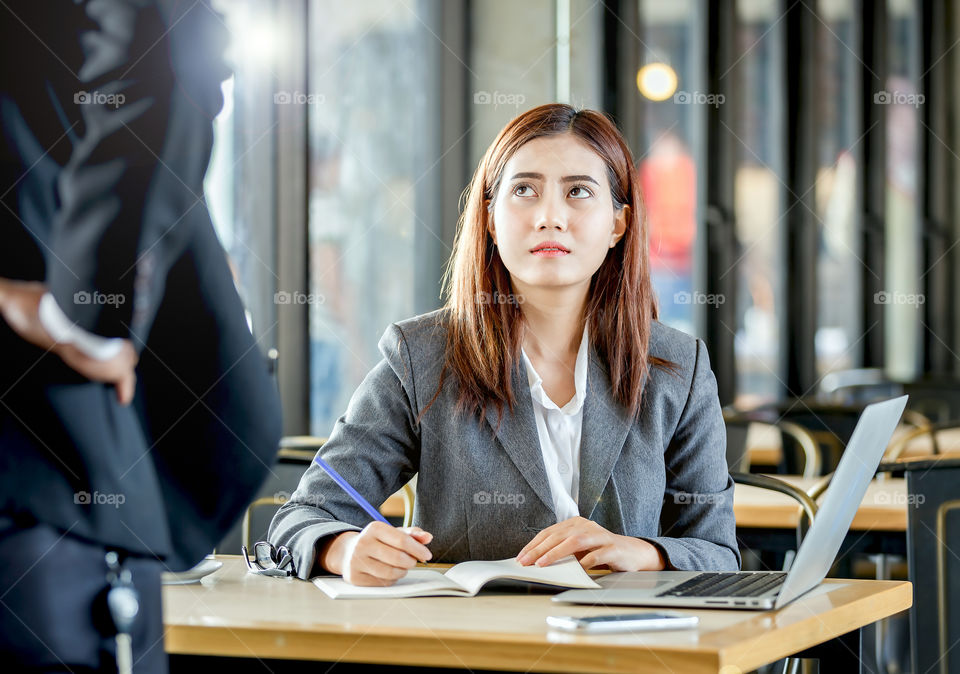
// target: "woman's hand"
[[20, 308], [593, 545], [377, 556]]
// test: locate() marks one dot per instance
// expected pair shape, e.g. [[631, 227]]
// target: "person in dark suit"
[[137, 415]]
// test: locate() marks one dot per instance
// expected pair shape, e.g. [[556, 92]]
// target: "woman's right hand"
[[377, 556]]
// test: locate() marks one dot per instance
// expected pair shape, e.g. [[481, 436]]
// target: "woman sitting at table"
[[544, 408]]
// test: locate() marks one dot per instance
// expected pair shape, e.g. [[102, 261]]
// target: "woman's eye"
[[580, 192], [523, 191]]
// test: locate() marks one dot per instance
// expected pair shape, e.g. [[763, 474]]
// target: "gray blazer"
[[484, 494]]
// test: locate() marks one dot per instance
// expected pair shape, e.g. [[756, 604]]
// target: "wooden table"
[[884, 506], [234, 613], [764, 445]]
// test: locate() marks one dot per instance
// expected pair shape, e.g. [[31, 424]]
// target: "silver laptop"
[[767, 589]]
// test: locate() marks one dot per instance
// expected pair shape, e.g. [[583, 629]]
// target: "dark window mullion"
[[873, 74], [935, 177], [718, 230], [799, 318]]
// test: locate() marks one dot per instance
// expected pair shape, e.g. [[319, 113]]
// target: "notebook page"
[[566, 572], [417, 583]]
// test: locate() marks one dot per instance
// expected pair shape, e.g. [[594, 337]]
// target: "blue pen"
[[354, 494]]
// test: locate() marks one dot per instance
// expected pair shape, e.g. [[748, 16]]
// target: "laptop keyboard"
[[727, 585]]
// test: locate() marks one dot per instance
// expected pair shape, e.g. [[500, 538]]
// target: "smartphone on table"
[[624, 622]]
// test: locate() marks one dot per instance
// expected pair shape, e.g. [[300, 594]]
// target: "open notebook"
[[462, 580]]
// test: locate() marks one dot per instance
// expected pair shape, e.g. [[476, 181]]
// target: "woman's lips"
[[550, 249]]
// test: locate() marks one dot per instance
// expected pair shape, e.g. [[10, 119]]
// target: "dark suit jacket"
[[107, 112], [483, 493]]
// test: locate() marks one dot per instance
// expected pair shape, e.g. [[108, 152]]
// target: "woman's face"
[[553, 217]]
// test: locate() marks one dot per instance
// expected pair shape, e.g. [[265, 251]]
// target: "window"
[[243, 156], [758, 200], [839, 264], [668, 151], [901, 294], [373, 108]]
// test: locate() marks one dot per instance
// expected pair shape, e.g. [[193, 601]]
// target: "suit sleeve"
[[375, 446], [697, 525], [139, 106]]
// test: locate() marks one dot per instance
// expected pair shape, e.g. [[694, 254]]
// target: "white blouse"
[[559, 431]]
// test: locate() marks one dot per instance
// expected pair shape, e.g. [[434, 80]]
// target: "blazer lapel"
[[605, 427], [519, 437]]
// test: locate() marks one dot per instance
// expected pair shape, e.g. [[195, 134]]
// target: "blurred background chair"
[[811, 436], [295, 456], [830, 424], [928, 440], [745, 430], [770, 483]]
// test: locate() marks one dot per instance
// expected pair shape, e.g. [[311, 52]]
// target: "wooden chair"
[[831, 426], [944, 439], [300, 450], [738, 453], [297, 450], [808, 504]]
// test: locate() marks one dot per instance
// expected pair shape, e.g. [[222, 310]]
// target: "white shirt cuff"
[[62, 329]]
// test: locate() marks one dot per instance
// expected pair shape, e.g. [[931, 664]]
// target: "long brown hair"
[[484, 337]]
